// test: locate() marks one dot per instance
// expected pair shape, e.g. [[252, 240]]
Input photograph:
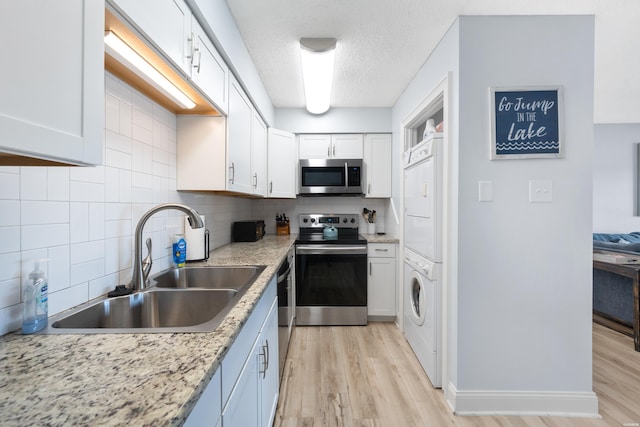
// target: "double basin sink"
[[188, 299]]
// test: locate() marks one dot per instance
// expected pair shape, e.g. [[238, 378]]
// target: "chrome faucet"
[[139, 278]]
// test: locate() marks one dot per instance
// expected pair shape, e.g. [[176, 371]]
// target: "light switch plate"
[[540, 191], [485, 191]]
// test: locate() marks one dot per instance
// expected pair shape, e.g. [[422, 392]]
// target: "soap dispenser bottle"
[[36, 302]]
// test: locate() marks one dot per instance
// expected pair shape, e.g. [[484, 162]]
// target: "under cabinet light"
[[317, 72], [128, 57]]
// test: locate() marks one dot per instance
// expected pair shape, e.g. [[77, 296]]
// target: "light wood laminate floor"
[[368, 376]]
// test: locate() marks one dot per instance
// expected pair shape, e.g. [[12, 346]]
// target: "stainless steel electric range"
[[331, 271]]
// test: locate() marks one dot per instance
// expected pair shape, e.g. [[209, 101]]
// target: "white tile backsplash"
[[82, 219], [36, 212], [9, 212], [33, 183], [58, 184], [9, 183]]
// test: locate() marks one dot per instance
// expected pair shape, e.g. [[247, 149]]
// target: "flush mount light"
[[123, 53], [317, 72]]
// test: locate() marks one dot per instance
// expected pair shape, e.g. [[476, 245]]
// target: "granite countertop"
[[122, 379], [381, 238]]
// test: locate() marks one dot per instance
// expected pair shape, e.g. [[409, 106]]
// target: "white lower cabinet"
[[250, 394], [244, 390], [381, 284], [208, 410]]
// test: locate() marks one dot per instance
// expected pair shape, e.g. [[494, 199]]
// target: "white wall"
[[336, 120], [615, 188], [519, 274], [524, 285], [83, 219]]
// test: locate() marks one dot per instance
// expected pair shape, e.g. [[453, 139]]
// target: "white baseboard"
[[559, 404]]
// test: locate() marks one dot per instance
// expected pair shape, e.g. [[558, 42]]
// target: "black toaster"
[[248, 231]]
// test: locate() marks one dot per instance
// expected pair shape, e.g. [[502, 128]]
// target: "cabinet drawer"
[[381, 250], [234, 360]]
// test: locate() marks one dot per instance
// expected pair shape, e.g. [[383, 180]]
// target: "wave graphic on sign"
[[540, 146]]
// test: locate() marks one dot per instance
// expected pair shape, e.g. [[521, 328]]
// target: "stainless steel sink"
[[230, 277], [150, 309], [190, 299]]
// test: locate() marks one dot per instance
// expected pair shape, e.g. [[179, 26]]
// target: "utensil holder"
[[371, 228]]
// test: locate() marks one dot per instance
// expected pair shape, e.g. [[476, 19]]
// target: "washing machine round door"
[[417, 298]]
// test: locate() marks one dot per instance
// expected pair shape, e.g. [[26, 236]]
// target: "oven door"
[[331, 284]]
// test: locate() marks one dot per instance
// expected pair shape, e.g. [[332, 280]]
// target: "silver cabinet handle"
[[382, 250], [255, 180], [263, 370], [329, 150], [199, 51], [268, 355], [270, 187], [346, 176], [334, 151], [370, 268], [232, 170], [192, 41], [369, 189]]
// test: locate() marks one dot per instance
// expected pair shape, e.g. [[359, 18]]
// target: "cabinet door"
[[239, 140], [243, 406], [207, 410], [314, 146], [270, 373], [52, 82], [258, 155], [282, 164], [347, 146], [209, 71], [381, 287], [377, 163], [166, 23]]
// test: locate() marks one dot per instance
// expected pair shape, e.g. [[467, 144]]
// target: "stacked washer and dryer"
[[423, 183]]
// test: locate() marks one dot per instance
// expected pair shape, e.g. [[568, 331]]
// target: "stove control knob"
[[344, 220], [305, 220], [313, 220], [353, 220]]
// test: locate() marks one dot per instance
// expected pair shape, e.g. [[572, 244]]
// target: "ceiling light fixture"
[[317, 72], [128, 57]]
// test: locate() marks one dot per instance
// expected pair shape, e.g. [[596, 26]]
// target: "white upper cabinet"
[[314, 146], [282, 164], [377, 164], [167, 24], [239, 140], [346, 146], [174, 31], [326, 146], [208, 70], [258, 155], [52, 82]]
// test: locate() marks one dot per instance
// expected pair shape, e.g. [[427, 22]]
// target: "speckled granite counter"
[[380, 238], [125, 379]]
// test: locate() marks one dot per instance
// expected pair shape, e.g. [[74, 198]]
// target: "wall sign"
[[526, 123]]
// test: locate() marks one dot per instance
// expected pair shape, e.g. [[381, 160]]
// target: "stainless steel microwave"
[[330, 176]]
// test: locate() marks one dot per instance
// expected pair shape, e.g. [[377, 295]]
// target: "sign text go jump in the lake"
[[526, 123]]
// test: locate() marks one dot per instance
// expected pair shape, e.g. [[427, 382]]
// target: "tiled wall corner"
[[82, 219]]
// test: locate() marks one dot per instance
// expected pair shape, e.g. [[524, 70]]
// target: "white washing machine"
[[422, 313], [423, 200]]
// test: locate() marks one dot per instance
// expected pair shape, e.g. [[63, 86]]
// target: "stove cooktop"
[[312, 227], [342, 239]]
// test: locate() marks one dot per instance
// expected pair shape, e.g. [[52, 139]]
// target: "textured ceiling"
[[383, 43]]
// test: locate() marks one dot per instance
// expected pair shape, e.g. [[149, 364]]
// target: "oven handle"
[[330, 249]]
